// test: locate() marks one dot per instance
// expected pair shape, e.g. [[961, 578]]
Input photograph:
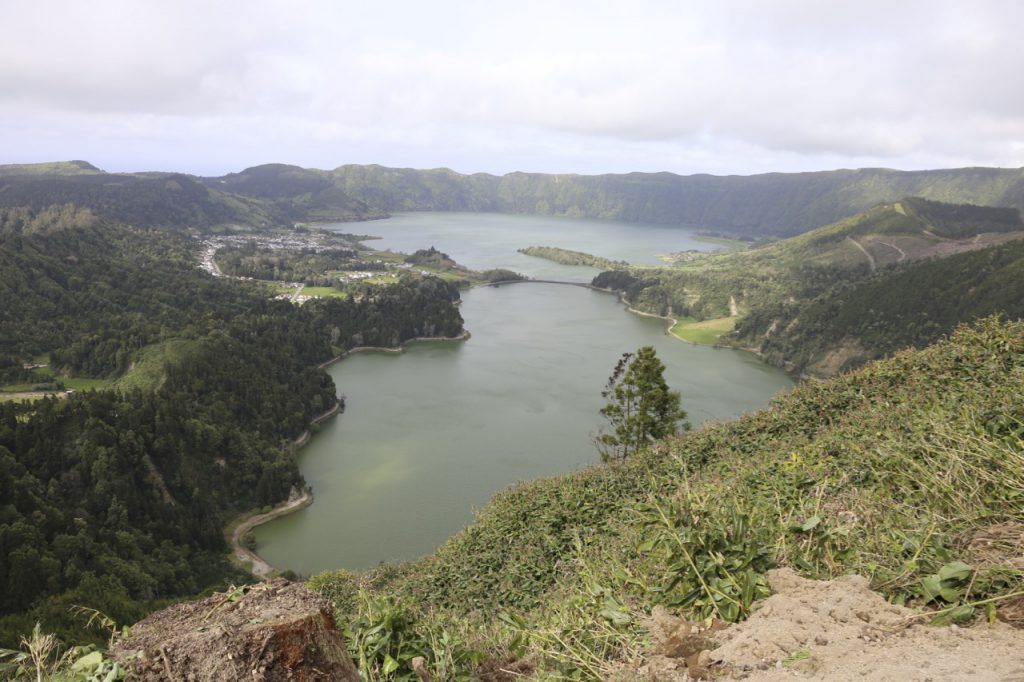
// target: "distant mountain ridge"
[[166, 200], [755, 206], [52, 168], [772, 204]]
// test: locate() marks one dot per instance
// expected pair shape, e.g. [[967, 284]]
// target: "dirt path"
[[260, 568], [903, 254], [734, 310], [871, 259]]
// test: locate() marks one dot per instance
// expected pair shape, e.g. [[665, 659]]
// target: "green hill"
[[779, 204], [51, 168], [897, 472], [772, 204], [911, 306], [897, 275], [166, 200]]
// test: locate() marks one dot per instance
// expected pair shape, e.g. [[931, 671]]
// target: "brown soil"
[[273, 631], [836, 630], [948, 247]]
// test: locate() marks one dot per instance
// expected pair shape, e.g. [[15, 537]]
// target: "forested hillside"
[[848, 325], [166, 200], [897, 275], [115, 499]]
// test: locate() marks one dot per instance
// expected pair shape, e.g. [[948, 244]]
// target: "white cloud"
[[737, 86]]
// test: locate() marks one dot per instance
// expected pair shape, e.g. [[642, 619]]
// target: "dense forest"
[[116, 499], [894, 308]]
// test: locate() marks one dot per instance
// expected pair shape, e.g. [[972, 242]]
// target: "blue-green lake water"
[[431, 434]]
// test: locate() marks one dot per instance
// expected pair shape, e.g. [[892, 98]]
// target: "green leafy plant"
[[715, 559], [820, 545], [385, 638], [41, 658], [951, 585], [587, 636]]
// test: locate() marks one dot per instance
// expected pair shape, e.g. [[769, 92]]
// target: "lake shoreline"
[[259, 567], [464, 336], [672, 322], [242, 524]]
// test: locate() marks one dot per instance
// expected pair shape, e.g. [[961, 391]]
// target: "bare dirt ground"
[[834, 630], [948, 247]]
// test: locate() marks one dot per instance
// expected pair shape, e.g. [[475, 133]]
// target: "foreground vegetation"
[[909, 471]]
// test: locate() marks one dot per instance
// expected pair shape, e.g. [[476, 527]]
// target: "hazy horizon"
[[524, 171]]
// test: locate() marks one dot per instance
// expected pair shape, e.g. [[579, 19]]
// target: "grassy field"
[[382, 279], [20, 388], [84, 384], [706, 332], [323, 292], [74, 383], [448, 275]]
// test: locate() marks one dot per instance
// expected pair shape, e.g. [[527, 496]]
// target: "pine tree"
[[640, 408]]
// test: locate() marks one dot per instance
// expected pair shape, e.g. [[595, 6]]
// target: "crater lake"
[[430, 434]]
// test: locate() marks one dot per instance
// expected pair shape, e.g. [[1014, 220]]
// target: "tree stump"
[[264, 633]]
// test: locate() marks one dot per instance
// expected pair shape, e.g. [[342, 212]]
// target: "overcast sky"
[[587, 87]]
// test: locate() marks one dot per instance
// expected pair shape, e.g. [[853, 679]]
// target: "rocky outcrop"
[[264, 633]]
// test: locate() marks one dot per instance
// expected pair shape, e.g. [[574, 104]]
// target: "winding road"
[[871, 259], [903, 254]]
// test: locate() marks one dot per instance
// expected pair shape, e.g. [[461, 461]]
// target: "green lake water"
[[491, 240], [431, 434]]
